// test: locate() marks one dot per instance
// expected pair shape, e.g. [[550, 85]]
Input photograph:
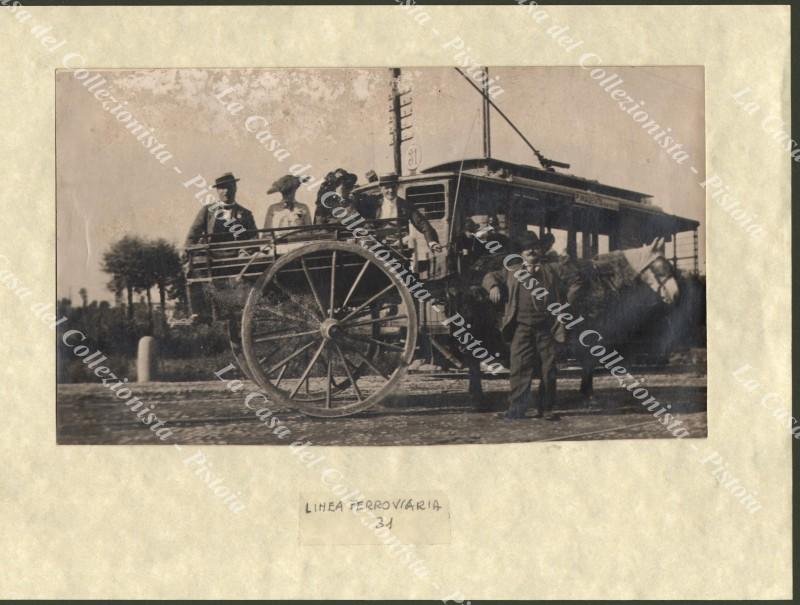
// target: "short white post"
[[146, 358]]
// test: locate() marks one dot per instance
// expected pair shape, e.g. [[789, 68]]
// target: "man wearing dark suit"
[[392, 206], [528, 286], [224, 220]]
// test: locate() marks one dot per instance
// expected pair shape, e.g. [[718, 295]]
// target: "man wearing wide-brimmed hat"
[[528, 286], [390, 205], [288, 212], [224, 220]]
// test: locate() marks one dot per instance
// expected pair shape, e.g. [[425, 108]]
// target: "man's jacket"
[[408, 212], [206, 223], [558, 275]]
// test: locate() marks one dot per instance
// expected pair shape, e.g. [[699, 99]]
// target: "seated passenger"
[[288, 212], [390, 205], [336, 192]]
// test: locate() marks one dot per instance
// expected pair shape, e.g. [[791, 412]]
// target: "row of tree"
[[137, 265]]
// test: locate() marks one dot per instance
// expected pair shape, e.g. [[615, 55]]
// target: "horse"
[[624, 291], [628, 296]]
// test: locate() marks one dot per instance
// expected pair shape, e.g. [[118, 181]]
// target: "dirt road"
[[432, 410]]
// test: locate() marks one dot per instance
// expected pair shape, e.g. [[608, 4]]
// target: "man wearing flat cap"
[[390, 205], [224, 220], [528, 287], [288, 212]]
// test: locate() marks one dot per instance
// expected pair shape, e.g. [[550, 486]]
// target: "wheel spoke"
[[287, 316], [306, 372], [371, 365], [328, 393], [290, 357], [280, 374], [311, 285], [364, 322], [368, 302], [272, 336], [355, 283], [268, 355], [347, 370], [380, 343], [294, 301], [333, 284]]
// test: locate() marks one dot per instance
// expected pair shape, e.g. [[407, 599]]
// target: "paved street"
[[433, 410]]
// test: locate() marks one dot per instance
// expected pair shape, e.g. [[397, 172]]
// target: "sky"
[[110, 185]]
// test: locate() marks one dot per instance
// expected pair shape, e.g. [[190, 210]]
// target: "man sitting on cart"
[[390, 205]]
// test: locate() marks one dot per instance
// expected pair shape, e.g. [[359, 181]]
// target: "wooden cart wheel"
[[235, 339], [328, 329]]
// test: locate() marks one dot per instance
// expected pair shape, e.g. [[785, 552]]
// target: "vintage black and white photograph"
[[381, 256]]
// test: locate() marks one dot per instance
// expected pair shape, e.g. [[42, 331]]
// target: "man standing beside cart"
[[529, 325]]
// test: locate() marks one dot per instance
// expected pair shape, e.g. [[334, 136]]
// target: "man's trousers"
[[533, 351]]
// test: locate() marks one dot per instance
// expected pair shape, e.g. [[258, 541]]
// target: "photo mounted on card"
[[380, 256]]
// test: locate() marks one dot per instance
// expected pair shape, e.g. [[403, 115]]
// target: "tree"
[[164, 267], [138, 265], [124, 261]]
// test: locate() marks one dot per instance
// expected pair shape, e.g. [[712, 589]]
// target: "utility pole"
[[487, 131], [396, 122], [399, 102]]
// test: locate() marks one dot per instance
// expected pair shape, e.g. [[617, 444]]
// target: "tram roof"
[[490, 166], [510, 174]]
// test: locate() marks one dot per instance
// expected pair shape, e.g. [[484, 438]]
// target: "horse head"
[[655, 270]]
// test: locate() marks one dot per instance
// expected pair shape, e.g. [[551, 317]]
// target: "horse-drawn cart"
[[327, 326], [316, 320]]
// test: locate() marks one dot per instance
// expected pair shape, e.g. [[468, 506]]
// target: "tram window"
[[579, 244], [602, 244], [429, 199], [560, 245]]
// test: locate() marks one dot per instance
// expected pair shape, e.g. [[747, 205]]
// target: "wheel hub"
[[328, 328]]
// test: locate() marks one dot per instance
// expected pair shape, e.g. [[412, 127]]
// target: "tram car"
[[326, 326]]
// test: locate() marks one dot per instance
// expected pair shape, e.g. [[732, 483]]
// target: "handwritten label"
[[378, 518]]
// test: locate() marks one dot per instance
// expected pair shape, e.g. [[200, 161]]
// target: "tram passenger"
[[288, 212], [548, 239], [499, 225], [390, 205], [468, 246], [481, 247]]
